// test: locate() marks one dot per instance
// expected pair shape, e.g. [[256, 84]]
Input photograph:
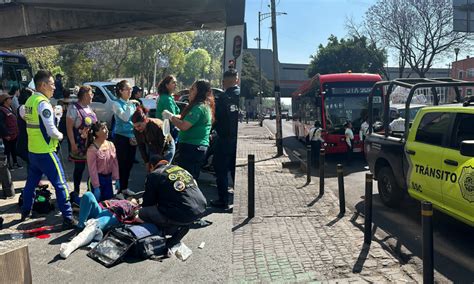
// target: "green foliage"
[[188, 55], [354, 54], [42, 57], [211, 41], [76, 63], [170, 48], [197, 65], [249, 86]]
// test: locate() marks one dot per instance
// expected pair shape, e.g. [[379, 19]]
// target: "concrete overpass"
[[32, 23]]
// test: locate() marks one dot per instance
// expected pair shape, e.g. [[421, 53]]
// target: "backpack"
[[142, 241], [42, 203]]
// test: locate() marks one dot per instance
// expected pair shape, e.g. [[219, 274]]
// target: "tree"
[[353, 54], [249, 86], [197, 65], [419, 31], [76, 62], [171, 48], [211, 41], [42, 57], [109, 57]]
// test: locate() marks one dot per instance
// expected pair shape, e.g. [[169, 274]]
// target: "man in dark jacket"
[[171, 200], [150, 138], [227, 117]]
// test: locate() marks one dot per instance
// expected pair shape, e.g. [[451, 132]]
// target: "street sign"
[[463, 16], [237, 47]]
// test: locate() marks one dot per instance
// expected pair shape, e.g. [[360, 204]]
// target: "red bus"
[[334, 99]]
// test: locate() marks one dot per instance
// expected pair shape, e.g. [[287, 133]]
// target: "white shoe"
[[128, 192]]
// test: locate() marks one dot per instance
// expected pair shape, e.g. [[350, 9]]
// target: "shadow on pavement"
[[453, 240]]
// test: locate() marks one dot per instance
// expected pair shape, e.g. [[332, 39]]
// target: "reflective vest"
[[38, 140]]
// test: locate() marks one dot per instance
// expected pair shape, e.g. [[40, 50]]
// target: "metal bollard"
[[368, 209], [308, 164], [322, 155], [251, 186], [340, 185], [427, 226]]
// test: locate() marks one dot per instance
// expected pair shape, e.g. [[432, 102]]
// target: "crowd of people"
[[173, 146]]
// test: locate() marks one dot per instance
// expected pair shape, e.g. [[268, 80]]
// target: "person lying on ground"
[[95, 218]]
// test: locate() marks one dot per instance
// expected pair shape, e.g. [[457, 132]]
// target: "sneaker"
[[69, 223], [128, 192]]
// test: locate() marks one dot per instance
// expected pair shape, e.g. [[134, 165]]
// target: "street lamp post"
[[276, 80], [456, 51], [261, 17]]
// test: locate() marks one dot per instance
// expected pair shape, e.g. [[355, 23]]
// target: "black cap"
[[136, 89]]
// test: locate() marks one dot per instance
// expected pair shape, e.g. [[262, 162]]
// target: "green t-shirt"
[[201, 120], [166, 102]]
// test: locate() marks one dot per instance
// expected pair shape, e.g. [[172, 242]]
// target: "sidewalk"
[[295, 236]]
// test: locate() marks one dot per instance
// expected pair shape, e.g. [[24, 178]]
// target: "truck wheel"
[[390, 193]]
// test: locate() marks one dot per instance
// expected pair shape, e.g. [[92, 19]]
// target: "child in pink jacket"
[[101, 162]]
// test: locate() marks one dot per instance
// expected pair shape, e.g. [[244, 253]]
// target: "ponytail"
[[91, 133]]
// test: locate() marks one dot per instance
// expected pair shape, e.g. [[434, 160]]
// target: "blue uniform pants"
[[90, 209], [49, 165]]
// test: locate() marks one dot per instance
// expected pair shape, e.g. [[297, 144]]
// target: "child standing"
[[101, 162]]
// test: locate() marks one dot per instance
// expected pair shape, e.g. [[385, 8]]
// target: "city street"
[[454, 248], [204, 265]]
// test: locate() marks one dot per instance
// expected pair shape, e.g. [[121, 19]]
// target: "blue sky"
[[307, 24]]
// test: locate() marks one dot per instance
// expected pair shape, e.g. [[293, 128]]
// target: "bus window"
[[9, 78]]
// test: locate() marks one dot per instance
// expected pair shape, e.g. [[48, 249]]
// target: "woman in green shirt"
[[166, 101], [195, 126]]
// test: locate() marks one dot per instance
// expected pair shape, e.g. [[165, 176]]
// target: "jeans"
[[191, 157], [90, 209]]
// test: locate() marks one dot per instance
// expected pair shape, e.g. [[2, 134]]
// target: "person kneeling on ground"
[[101, 162], [95, 218], [172, 199]]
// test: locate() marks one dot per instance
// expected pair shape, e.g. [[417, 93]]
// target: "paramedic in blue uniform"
[[43, 139], [227, 117]]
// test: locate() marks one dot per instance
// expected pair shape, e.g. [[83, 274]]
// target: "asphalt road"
[[453, 240], [207, 265]]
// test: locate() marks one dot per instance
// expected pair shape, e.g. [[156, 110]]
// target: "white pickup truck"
[[104, 96]]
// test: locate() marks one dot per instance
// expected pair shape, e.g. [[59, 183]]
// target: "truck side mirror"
[[467, 148]]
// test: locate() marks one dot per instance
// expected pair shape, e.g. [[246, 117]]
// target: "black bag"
[[143, 241], [42, 203]]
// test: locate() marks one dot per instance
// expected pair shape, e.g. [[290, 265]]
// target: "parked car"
[[104, 96], [184, 94]]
